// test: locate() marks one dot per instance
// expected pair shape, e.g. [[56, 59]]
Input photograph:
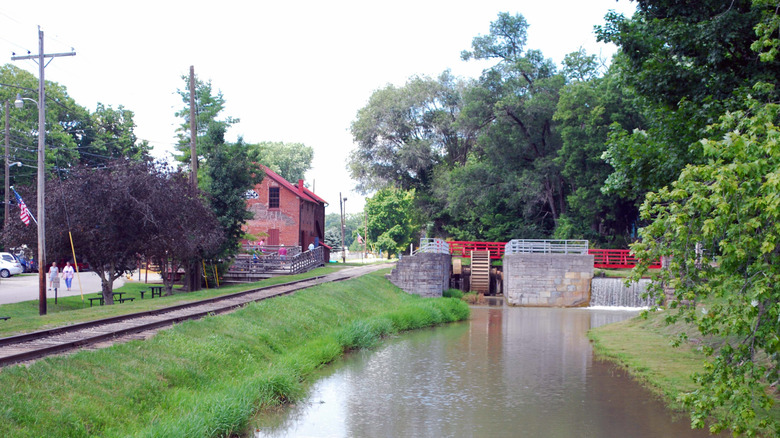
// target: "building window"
[[273, 197]]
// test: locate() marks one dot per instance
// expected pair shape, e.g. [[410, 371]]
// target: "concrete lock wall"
[[423, 274], [547, 280]]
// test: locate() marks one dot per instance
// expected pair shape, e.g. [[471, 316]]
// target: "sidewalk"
[[25, 287]]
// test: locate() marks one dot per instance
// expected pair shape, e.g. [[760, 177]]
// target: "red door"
[[273, 237]]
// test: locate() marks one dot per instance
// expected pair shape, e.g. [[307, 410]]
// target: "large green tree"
[[392, 220], [512, 175], [110, 135], [228, 174], [719, 226], [290, 160], [589, 107], [687, 63], [404, 133]]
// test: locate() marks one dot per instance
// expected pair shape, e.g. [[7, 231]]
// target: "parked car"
[[9, 265]]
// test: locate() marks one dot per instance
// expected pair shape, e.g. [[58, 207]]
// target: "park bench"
[[4, 318], [122, 300], [91, 300]]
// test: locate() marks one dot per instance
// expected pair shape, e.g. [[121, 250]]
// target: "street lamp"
[[342, 205], [41, 105]]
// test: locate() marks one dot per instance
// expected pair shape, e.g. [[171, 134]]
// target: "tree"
[[718, 225], [352, 224], [513, 167], [290, 160], [404, 133], [392, 222], [185, 228], [209, 106], [65, 122], [111, 135], [227, 178], [586, 111], [228, 175], [122, 210], [687, 63]]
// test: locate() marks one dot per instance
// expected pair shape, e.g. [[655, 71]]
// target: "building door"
[[273, 237]]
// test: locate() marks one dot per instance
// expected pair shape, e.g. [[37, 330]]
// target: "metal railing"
[[433, 246], [545, 246], [460, 248], [245, 265], [617, 259]]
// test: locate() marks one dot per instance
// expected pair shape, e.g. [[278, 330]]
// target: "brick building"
[[288, 214]]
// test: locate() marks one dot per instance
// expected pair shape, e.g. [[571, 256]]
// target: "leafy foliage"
[[289, 160], [392, 223], [687, 63], [719, 226], [119, 212]]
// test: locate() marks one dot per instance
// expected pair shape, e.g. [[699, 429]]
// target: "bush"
[[452, 293]]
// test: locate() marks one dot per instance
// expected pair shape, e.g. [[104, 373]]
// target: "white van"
[[9, 265]]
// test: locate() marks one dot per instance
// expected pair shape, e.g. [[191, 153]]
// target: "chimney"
[[300, 184]]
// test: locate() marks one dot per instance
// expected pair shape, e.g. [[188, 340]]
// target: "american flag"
[[24, 215]]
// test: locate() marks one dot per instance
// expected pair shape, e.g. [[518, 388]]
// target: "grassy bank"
[[208, 377], [644, 347], [69, 310]]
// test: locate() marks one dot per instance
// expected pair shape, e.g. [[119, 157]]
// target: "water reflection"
[[513, 372]]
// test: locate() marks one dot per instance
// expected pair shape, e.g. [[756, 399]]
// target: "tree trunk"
[[107, 284]]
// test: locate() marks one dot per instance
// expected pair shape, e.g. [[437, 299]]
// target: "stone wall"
[[423, 274], [547, 280]]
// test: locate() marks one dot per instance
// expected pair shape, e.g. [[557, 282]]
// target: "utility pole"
[[193, 132], [365, 231], [193, 270], [7, 180], [41, 57]]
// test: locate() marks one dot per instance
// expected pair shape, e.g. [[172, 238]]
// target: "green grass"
[[209, 377], [69, 310], [644, 347]]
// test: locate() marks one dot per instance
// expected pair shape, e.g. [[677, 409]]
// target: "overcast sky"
[[290, 71]]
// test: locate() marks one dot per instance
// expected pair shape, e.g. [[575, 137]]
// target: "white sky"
[[291, 71]]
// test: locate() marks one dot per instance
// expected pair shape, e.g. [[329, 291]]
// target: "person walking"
[[67, 274], [54, 277]]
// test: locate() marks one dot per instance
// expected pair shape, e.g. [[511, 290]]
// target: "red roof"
[[305, 194]]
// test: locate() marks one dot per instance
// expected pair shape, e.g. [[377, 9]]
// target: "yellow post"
[[205, 274], [216, 274], [75, 265]]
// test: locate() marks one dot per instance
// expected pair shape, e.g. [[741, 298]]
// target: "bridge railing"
[[461, 248], [434, 246], [545, 246], [617, 259]]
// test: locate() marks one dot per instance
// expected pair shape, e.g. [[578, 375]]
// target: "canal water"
[[507, 372]]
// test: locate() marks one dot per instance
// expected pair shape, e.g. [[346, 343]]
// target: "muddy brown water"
[[507, 372]]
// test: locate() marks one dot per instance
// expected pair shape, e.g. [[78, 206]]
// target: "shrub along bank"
[[208, 377]]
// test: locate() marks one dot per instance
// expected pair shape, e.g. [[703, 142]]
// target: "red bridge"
[[617, 259], [603, 258]]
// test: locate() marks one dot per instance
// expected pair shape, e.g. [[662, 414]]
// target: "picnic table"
[[118, 296], [156, 290]]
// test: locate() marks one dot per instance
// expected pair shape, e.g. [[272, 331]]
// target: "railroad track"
[[35, 345]]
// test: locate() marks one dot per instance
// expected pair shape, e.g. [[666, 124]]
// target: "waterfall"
[[612, 292]]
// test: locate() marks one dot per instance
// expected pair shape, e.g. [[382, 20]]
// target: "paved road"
[[25, 287]]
